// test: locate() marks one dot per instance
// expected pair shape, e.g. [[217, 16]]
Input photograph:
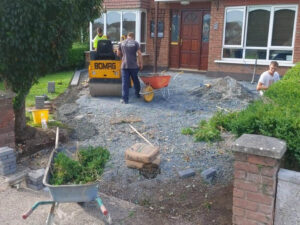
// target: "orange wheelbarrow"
[[155, 83]]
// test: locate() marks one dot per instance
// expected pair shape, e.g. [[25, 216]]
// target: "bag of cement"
[[141, 153], [140, 165]]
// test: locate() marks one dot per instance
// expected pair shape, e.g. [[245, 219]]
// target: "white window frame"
[[244, 36], [138, 13]]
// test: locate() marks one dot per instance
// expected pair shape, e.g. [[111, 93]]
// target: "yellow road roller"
[[105, 71]]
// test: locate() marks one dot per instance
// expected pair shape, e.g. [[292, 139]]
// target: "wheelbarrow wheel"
[[149, 94]]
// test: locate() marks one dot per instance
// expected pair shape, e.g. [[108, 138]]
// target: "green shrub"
[[277, 114], [75, 58], [88, 168]]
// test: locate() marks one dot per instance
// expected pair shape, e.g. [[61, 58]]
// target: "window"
[[259, 32], [113, 26], [175, 27], [117, 24]]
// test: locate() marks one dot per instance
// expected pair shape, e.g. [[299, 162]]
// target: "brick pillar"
[[257, 160], [7, 120]]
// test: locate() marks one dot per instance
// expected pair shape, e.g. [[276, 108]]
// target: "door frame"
[[180, 12]]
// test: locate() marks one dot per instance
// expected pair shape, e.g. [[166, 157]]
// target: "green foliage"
[[277, 114], [61, 79], [1, 86], [187, 131], [88, 168], [35, 37], [75, 58]]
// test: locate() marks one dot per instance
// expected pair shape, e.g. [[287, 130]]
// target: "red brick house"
[[221, 37]]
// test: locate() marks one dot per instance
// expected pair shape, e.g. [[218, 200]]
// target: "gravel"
[[104, 121]]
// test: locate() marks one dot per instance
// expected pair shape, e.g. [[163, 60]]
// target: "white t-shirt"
[[267, 79]]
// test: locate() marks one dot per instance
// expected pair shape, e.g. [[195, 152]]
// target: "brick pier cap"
[[260, 145]]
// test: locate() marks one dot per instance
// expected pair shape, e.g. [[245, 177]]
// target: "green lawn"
[[62, 80]]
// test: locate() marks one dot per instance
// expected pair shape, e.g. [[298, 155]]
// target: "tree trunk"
[[20, 120]]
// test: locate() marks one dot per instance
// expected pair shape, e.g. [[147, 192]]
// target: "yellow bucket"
[[40, 114]]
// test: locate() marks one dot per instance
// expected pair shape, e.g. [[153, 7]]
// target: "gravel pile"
[[103, 121]]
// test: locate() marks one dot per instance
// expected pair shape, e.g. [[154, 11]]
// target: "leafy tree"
[[35, 36]]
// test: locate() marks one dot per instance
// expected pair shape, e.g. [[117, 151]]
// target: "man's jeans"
[[126, 74]]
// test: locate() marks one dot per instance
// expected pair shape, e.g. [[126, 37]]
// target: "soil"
[[166, 197]]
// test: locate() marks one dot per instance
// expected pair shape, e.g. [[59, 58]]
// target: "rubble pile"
[[221, 89]]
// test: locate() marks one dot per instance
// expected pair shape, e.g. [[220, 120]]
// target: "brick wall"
[[215, 44], [162, 43], [257, 160], [7, 121]]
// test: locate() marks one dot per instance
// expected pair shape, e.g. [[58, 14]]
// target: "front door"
[[190, 43]]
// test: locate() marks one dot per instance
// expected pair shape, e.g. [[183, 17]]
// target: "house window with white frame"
[[117, 24], [259, 32]]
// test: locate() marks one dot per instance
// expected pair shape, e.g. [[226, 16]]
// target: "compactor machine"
[[105, 71]]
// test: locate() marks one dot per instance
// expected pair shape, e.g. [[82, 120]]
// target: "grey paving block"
[[8, 161], [8, 171], [186, 173], [5, 157], [209, 174], [51, 87], [4, 151], [36, 175]]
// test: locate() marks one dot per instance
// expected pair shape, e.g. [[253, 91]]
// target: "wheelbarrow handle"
[[28, 213], [102, 207]]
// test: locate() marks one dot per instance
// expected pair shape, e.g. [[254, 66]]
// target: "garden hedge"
[[276, 114]]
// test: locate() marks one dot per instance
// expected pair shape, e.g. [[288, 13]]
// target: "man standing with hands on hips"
[[132, 62]]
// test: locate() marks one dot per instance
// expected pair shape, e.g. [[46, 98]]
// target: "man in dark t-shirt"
[[132, 62]]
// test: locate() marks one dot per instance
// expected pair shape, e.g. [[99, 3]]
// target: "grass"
[[62, 80]]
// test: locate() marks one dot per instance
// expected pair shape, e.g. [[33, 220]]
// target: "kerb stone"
[[209, 174], [186, 173]]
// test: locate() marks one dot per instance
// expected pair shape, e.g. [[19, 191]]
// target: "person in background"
[[132, 62], [268, 77], [98, 37]]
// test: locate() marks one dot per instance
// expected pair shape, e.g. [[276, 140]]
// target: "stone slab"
[[260, 145], [186, 173], [287, 210]]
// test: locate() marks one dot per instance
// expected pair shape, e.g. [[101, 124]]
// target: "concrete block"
[[186, 173], [39, 102], [209, 174], [36, 176], [51, 87], [4, 151]]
